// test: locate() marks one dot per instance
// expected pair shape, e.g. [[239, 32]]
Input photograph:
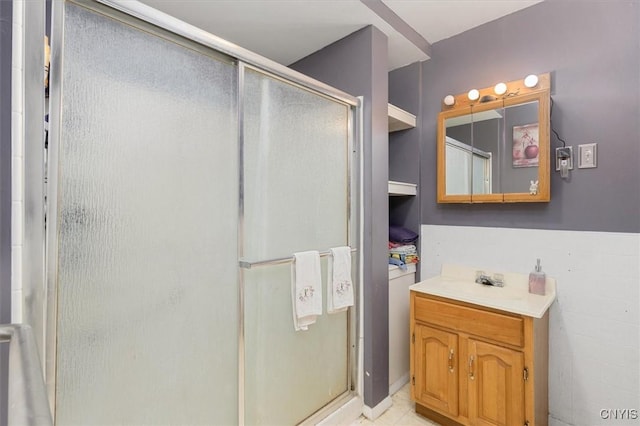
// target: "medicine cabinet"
[[496, 148]]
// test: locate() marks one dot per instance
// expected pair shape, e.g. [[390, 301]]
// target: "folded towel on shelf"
[[399, 234], [401, 254], [397, 262], [408, 249], [406, 258], [339, 283], [306, 289]]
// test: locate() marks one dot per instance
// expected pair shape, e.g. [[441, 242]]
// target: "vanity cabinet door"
[[496, 385], [436, 369]]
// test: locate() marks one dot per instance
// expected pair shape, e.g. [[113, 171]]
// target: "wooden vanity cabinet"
[[436, 351], [472, 365]]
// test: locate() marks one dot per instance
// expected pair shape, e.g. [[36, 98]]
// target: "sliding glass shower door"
[[296, 198], [181, 182], [147, 300]]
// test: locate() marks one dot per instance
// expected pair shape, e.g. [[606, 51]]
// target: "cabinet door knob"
[[471, 376], [451, 361]]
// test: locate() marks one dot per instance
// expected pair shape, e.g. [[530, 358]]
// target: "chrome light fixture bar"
[[501, 90]]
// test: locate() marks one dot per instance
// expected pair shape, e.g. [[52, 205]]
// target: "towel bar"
[[245, 264]]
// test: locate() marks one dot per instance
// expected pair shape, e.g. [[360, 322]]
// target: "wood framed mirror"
[[496, 149]]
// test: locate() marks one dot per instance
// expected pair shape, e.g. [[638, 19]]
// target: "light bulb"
[[449, 100], [531, 80], [500, 89], [473, 94]]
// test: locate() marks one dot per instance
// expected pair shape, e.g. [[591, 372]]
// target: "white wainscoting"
[[594, 330]]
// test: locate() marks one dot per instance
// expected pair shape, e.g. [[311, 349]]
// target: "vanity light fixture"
[[449, 100], [531, 81], [500, 89]]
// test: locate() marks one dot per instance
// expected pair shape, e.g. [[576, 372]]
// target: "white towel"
[[339, 283], [306, 289]]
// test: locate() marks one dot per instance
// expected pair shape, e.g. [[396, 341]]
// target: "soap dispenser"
[[537, 280]]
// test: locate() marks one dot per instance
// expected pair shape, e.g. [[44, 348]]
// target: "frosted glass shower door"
[[296, 198], [146, 228], [458, 169]]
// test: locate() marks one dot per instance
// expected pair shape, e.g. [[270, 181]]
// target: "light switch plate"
[[587, 155]]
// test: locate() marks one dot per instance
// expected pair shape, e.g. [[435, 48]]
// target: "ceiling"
[[288, 30]]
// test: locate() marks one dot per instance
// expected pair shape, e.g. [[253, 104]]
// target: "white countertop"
[[457, 283]]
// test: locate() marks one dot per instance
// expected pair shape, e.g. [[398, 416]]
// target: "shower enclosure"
[[184, 172]]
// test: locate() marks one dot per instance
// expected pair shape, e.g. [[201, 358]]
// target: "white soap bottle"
[[537, 280]]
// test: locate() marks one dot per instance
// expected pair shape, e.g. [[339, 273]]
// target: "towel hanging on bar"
[[339, 282], [306, 289]]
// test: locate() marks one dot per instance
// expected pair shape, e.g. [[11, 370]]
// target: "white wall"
[[594, 330]]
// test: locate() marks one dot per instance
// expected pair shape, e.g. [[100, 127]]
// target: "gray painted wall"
[[6, 12], [357, 64], [593, 51]]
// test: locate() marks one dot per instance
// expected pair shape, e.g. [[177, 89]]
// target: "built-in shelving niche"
[[400, 119]]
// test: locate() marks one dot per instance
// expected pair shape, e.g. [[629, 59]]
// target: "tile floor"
[[401, 413]]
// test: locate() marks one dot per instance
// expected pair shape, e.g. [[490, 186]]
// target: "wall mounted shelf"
[[400, 119], [402, 188]]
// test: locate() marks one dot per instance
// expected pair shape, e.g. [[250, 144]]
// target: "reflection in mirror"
[[487, 131], [458, 157], [473, 149], [481, 166], [468, 169], [523, 143]]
